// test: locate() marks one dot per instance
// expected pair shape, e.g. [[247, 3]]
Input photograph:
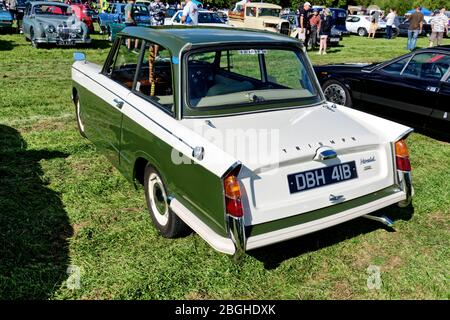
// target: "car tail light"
[[233, 199], [402, 156]]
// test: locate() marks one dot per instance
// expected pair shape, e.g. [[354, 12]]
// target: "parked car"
[[339, 17], [81, 11], [403, 29], [360, 24], [413, 88], [113, 20], [53, 23], [142, 16], [262, 16], [332, 40], [169, 118], [205, 18], [6, 19]]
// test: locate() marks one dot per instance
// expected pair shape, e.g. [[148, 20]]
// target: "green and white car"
[[229, 133]]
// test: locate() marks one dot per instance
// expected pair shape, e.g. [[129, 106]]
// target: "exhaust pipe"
[[383, 219]]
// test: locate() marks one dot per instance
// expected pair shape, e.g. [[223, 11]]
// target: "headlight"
[[51, 29]]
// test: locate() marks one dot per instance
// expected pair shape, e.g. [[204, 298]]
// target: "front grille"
[[284, 28]]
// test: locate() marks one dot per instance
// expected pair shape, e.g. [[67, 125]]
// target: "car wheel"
[[34, 43], [362, 32], [166, 221], [78, 117], [336, 92]]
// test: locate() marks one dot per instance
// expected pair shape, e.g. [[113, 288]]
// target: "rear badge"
[[368, 160]]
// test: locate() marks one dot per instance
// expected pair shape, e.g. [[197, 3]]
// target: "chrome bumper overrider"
[[405, 184], [236, 231]]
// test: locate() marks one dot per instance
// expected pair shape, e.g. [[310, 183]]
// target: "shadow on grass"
[[6, 45], [34, 226], [272, 256]]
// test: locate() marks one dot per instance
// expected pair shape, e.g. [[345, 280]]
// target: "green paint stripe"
[[318, 214]]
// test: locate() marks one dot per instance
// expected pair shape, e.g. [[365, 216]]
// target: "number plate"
[[334, 39], [312, 179], [65, 43]]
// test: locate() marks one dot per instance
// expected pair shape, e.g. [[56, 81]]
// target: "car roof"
[[175, 38], [262, 5]]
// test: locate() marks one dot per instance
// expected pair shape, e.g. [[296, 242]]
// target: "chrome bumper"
[[236, 232], [405, 184]]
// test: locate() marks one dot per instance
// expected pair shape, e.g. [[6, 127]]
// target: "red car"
[[81, 11]]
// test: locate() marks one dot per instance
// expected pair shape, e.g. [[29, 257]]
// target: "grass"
[[62, 204]]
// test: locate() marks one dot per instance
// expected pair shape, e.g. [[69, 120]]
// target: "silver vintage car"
[[53, 23]]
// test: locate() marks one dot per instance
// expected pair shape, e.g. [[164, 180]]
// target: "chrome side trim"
[[236, 231], [405, 184]]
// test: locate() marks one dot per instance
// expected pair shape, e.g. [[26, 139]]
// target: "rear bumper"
[[241, 239]]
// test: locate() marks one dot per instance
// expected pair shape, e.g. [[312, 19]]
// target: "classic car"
[[81, 11], [227, 140], [115, 15], [141, 15], [360, 24], [6, 19], [413, 88], [53, 23], [332, 40], [205, 18], [258, 15]]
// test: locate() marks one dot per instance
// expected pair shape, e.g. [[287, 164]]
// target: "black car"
[[339, 16], [413, 88], [403, 29]]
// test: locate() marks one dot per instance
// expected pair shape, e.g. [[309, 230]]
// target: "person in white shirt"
[[439, 25], [390, 18], [190, 14]]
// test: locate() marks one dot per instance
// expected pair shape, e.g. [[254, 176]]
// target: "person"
[[324, 31], [156, 6], [415, 27], [129, 21], [390, 19], [190, 13], [12, 7], [374, 20], [314, 21], [303, 22], [439, 25]]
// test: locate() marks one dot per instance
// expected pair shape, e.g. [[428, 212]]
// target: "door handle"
[[119, 103], [433, 89]]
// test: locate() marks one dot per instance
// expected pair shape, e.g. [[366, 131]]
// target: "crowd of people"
[[314, 25]]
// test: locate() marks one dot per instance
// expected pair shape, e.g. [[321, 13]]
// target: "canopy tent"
[[425, 12]]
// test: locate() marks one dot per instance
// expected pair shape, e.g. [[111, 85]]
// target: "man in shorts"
[[129, 22], [439, 25]]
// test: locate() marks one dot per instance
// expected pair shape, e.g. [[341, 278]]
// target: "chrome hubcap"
[[158, 199], [336, 94]]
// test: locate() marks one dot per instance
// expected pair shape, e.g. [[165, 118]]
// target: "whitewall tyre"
[[166, 221]]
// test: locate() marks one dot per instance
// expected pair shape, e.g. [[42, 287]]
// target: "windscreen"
[[249, 77]]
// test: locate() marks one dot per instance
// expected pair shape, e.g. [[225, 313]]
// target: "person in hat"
[[303, 22]]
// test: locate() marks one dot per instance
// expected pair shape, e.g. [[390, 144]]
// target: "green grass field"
[[62, 204]]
